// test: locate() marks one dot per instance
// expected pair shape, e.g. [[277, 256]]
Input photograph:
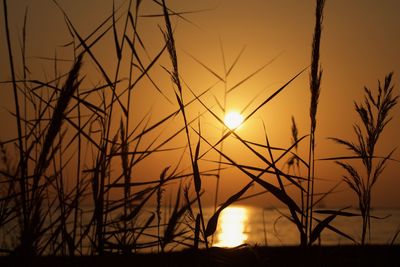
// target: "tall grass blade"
[[315, 88], [117, 47], [22, 161]]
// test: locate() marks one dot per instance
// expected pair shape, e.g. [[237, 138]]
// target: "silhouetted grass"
[[104, 206], [374, 115], [315, 88]]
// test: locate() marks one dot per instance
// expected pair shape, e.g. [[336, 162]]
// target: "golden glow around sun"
[[233, 119]]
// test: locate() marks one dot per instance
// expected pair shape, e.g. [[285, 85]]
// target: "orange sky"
[[360, 44]]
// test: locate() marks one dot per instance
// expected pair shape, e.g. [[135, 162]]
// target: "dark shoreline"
[[372, 255]]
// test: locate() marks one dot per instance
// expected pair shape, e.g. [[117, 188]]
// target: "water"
[[252, 225], [267, 227]]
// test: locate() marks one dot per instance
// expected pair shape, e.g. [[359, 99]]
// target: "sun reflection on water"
[[232, 226]]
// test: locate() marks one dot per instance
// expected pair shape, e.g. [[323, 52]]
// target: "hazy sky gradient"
[[360, 44]]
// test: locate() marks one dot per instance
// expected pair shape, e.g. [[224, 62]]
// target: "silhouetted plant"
[[374, 114], [315, 88], [105, 209]]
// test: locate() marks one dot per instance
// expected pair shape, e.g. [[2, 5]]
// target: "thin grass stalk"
[[76, 223], [78, 175], [126, 169], [119, 49], [158, 213], [218, 177], [175, 77], [59, 186], [61, 197], [294, 161], [22, 163], [103, 195], [7, 207], [315, 83], [99, 205], [106, 168], [222, 129], [26, 91], [128, 114], [24, 77]]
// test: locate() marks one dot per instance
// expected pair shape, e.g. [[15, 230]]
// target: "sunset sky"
[[360, 44]]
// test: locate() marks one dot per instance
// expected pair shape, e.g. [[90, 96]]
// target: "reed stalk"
[[315, 88], [22, 166], [169, 38], [374, 114]]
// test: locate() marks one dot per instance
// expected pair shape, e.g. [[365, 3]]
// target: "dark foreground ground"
[[244, 256]]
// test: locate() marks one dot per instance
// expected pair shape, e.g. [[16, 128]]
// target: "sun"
[[233, 119]]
